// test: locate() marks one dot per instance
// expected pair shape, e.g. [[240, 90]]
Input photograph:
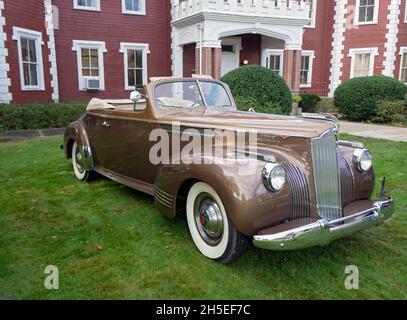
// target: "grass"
[[109, 242]]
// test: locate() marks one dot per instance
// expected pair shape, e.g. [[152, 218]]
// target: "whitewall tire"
[[77, 164], [210, 226]]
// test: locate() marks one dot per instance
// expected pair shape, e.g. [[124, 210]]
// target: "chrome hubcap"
[[78, 160], [208, 219]]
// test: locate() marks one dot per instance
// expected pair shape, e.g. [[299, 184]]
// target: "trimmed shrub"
[[245, 103], [262, 85], [327, 105], [309, 102], [356, 98], [39, 116], [389, 111]]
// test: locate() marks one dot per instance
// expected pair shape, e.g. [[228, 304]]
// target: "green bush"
[[356, 98], [266, 88], [245, 103], [39, 116], [326, 105], [389, 111], [309, 102]]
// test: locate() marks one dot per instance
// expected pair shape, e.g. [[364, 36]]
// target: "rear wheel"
[[210, 226], [77, 163]]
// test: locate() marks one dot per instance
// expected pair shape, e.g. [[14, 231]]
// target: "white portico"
[[215, 36]]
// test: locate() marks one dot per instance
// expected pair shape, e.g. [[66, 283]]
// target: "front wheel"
[[77, 163], [210, 226]]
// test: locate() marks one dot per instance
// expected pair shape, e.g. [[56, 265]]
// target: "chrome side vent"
[[299, 191], [327, 176]]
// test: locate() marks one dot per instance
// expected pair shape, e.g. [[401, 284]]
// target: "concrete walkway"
[[29, 134], [374, 131]]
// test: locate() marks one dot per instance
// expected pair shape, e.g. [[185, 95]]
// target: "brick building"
[[53, 50]]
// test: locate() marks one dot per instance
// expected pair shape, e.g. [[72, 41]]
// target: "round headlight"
[[273, 177], [362, 159]]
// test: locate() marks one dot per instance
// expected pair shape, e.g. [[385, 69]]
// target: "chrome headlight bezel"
[[269, 170], [360, 155]]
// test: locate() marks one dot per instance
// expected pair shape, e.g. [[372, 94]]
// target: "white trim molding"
[[5, 82], [18, 33], [311, 55], [390, 46], [403, 50], [338, 39], [375, 14], [49, 21], [144, 47], [95, 7], [141, 11], [352, 54], [77, 46], [405, 11]]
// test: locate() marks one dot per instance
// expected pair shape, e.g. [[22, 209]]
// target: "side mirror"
[[251, 110], [135, 96]]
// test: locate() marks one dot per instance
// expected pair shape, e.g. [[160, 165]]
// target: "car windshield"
[[191, 94]]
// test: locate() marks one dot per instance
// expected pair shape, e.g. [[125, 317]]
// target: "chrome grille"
[[327, 176]]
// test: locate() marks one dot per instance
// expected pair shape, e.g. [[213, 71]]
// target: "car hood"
[[287, 126]]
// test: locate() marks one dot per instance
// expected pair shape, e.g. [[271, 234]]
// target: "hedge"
[[266, 89], [309, 102], [357, 99], [39, 116]]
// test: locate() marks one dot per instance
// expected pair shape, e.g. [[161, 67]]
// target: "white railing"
[[271, 8]]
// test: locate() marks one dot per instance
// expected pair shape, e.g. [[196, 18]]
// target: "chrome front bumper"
[[322, 232]]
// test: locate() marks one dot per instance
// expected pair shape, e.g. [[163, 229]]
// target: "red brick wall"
[[319, 39], [28, 14], [113, 27], [189, 59], [402, 38], [366, 36], [251, 48]]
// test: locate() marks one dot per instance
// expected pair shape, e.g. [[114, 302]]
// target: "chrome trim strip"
[[163, 192], [322, 232]]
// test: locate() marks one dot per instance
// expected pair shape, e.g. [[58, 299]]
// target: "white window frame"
[[353, 52], [402, 51], [37, 37], [311, 55], [77, 46], [76, 6], [375, 14], [144, 47], [313, 15], [142, 11], [274, 52], [405, 11]]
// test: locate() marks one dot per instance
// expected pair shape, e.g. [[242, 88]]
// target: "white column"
[[5, 82], [390, 47], [49, 22], [337, 46]]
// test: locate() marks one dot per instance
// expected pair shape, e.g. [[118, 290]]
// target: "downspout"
[[200, 28]]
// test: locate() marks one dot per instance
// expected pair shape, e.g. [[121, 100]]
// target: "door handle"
[[105, 124]]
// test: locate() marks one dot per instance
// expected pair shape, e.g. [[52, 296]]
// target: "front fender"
[[249, 204], [76, 131]]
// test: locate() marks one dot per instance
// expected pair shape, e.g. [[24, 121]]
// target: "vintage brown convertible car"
[[301, 187]]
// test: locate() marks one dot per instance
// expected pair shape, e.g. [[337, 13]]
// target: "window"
[[274, 61], [312, 13], [403, 64], [367, 12], [405, 13], [93, 5], [29, 58], [134, 7], [362, 63], [307, 58], [135, 64], [90, 64]]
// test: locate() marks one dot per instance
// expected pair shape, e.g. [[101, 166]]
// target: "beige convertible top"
[[96, 104]]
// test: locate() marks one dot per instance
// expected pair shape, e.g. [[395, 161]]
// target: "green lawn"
[[109, 242]]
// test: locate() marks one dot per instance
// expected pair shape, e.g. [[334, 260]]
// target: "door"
[[230, 54]]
